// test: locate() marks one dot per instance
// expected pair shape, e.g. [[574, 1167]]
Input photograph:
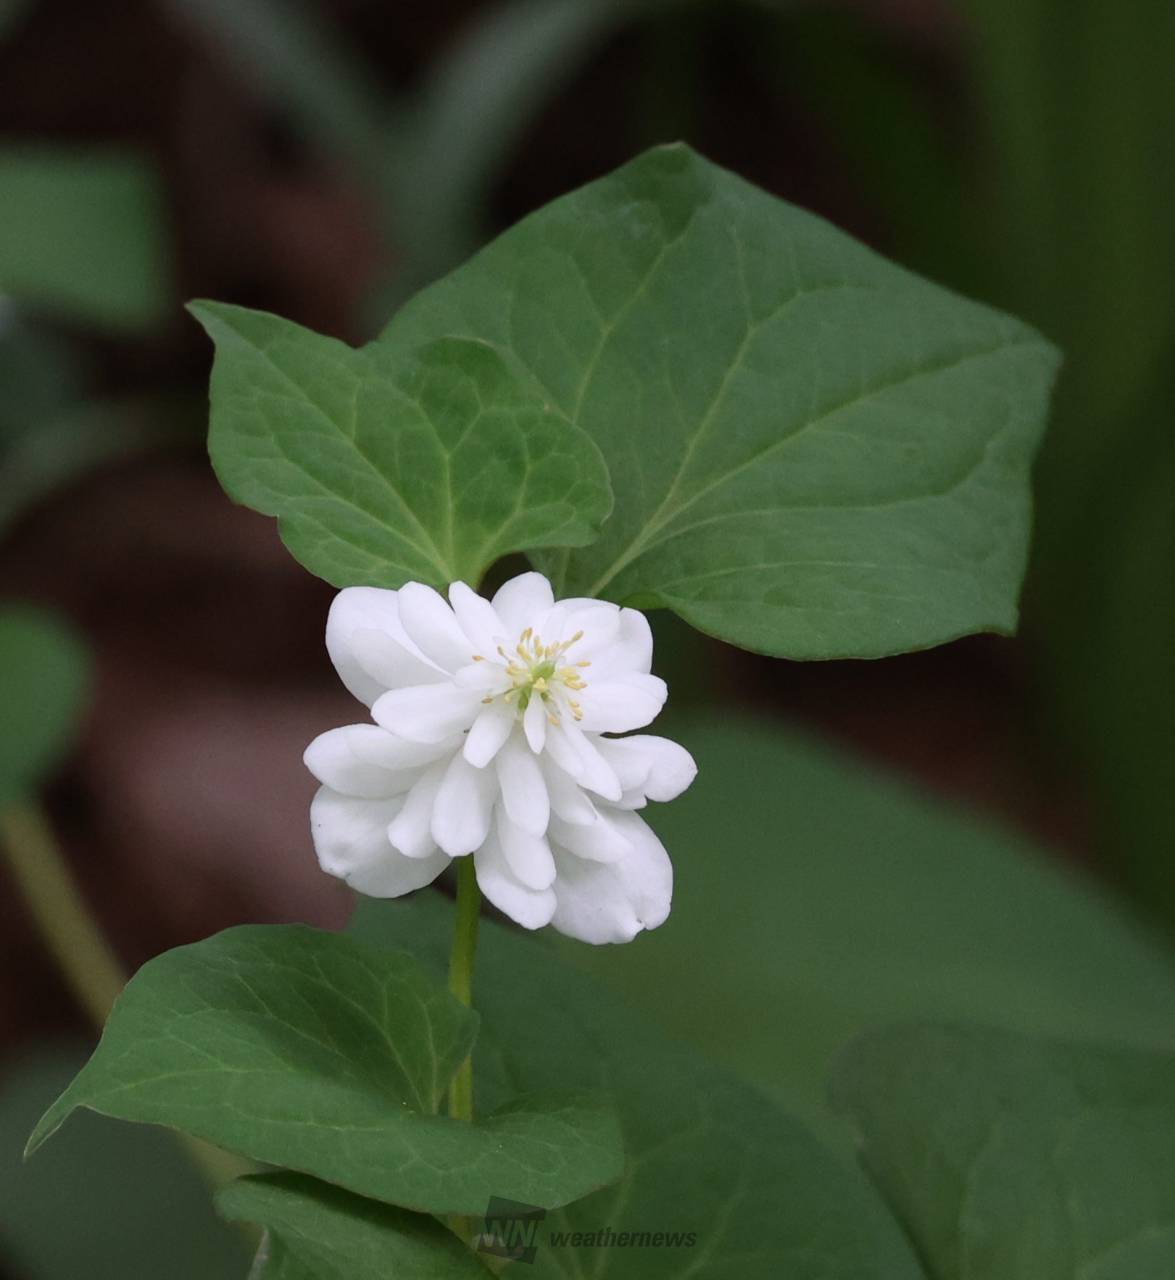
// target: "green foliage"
[[107, 1199], [317, 1053], [1066, 219], [84, 236], [1078, 104], [839, 899], [387, 467], [45, 677], [322, 1232], [705, 1153], [814, 453], [1019, 1159]]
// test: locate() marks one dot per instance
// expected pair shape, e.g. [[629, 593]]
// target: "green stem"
[[69, 932], [461, 975], [79, 948]]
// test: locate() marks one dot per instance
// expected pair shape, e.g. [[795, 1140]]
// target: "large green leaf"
[[329, 1234], [315, 1052], [706, 1154], [45, 675], [815, 897], [84, 235], [1019, 1159], [108, 1199], [814, 453], [386, 467]]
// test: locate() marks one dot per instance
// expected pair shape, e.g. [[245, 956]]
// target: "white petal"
[[531, 908], [365, 760], [463, 808], [595, 772], [600, 624], [529, 857], [622, 702], [524, 792], [630, 652], [478, 619], [483, 677], [599, 841], [490, 730], [350, 838], [432, 627], [426, 713], [568, 799], [659, 768], [369, 647], [628, 759], [612, 902], [534, 724], [411, 829], [563, 751], [522, 601]]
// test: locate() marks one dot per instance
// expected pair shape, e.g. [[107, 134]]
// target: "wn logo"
[[511, 1230]]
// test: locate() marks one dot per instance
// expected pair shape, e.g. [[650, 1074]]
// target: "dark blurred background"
[[325, 158]]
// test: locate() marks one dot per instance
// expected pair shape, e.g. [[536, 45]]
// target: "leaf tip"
[[46, 1127]]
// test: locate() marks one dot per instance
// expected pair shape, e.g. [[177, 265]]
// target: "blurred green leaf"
[[82, 236], [40, 374], [874, 109], [1017, 1159], [1121, 669], [290, 52], [1078, 102], [48, 453], [455, 137], [387, 467], [704, 1152], [814, 453], [45, 673], [311, 1051], [107, 1200], [329, 1234], [830, 895], [11, 14]]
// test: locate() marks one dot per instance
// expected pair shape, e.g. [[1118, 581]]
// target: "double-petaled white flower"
[[491, 739]]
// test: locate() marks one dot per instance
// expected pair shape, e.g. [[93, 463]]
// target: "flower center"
[[539, 670]]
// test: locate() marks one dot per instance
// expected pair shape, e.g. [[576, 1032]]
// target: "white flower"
[[490, 740]]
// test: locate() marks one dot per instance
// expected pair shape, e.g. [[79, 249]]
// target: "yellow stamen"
[[533, 672]]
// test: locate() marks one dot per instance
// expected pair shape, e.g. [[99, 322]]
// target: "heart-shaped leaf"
[[315, 1052], [718, 1183], [1011, 1158], [320, 1231], [385, 467], [814, 453], [839, 898]]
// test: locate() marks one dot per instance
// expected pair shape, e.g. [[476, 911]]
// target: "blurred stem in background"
[[59, 912], [79, 949]]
